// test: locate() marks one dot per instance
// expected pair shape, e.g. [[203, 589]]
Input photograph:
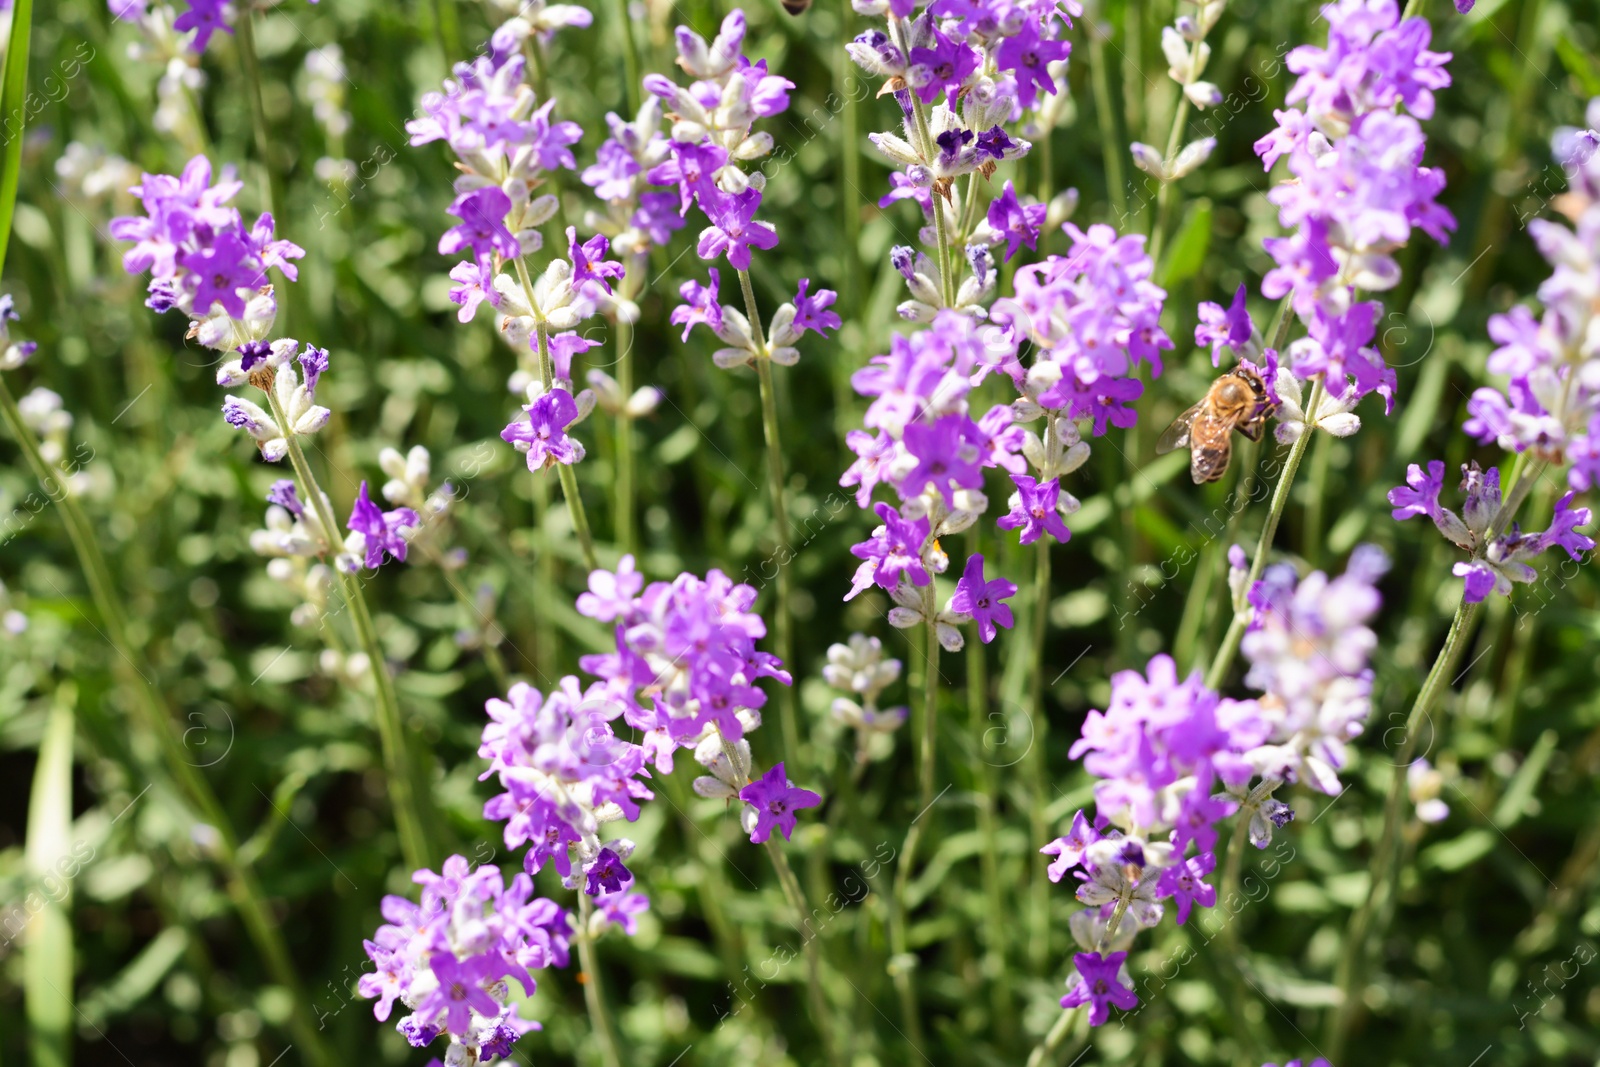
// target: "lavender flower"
[[980, 600], [1019, 225], [1308, 647], [811, 312], [773, 801], [1358, 188], [201, 257], [893, 550], [1098, 983], [686, 661], [13, 354], [860, 668], [1551, 402], [1036, 507], [699, 306], [564, 771], [734, 230], [374, 531], [544, 435], [448, 958], [1498, 559]]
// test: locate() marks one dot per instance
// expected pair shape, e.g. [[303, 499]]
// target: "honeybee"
[[796, 7], [1236, 401]]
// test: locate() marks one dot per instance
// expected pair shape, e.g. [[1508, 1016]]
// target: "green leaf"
[[47, 939], [1514, 804], [1188, 252], [1460, 852], [138, 978], [13, 91], [1581, 65]]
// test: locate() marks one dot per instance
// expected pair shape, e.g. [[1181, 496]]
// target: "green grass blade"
[[47, 944], [13, 116]]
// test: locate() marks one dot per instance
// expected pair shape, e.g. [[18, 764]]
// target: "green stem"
[[1052, 1041], [594, 996], [904, 962], [624, 505], [1348, 973], [988, 803], [808, 946], [1363, 927], [630, 57], [1311, 535], [400, 767], [925, 138], [1180, 119], [1280, 500], [155, 718], [541, 71], [258, 109], [564, 472], [783, 639], [1038, 827], [1111, 146], [1233, 953]]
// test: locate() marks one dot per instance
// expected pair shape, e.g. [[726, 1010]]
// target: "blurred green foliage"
[[1496, 905]]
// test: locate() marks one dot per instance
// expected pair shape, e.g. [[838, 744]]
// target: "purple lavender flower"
[[1029, 56], [905, 187], [252, 353], [622, 909], [691, 169], [1033, 508], [589, 264], [474, 283], [1499, 560], [1185, 882], [945, 456], [774, 800], [1070, 848], [1019, 225], [894, 549], [544, 435], [381, 531], [982, 600], [699, 306], [734, 230], [1218, 327], [448, 957], [482, 228], [1099, 986], [1359, 187], [611, 593], [657, 217], [941, 69], [611, 176], [1308, 647], [607, 874], [811, 312], [219, 271], [204, 17], [314, 363], [283, 494]]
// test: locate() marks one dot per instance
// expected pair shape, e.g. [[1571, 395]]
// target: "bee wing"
[[1176, 436]]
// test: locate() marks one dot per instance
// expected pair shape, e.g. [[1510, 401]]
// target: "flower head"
[[380, 531], [773, 801], [1098, 984], [544, 435], [982, 600]]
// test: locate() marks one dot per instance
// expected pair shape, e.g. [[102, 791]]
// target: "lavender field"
[[858, 533]]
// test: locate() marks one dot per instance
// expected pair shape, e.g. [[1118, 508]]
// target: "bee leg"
[[1253, 429]]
